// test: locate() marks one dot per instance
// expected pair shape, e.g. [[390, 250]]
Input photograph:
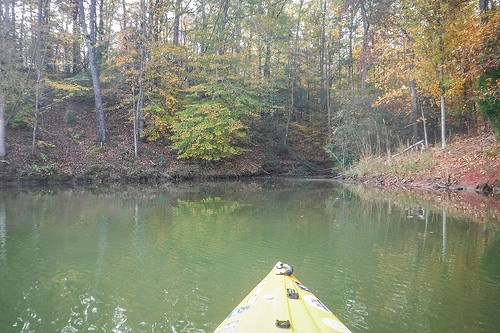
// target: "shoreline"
[[392, 182], [388, 182]]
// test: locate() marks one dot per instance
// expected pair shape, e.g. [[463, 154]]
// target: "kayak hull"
[[281, 303]]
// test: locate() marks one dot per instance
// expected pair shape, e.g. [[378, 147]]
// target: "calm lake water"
[[179, 257]]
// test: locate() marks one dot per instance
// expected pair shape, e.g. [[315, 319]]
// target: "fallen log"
[[421, 142]]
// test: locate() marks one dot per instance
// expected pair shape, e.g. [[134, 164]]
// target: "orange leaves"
[[170, 102], [392, 95], [427, 37]]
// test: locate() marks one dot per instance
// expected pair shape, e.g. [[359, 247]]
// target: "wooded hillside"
[[258, 82]]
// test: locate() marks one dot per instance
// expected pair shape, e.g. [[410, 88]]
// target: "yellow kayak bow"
[[280, 303]]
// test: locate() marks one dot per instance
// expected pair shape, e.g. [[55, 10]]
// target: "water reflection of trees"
[[479, 208], [3, 234], [423, 253], [389, 256]]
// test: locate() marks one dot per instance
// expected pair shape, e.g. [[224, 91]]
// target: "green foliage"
[[493, 151], [242, 102], [70, 117], [22, 116], [100, 150], [215, 122], [159, 122], [235, 61], [67, 87], [489, 101], [207, 130], [301, 170], [163, 80], [270, 161], [82, 78], [283, 150], [43, 170], [209, 207], [340, 156], [345, 144], [161, 160]]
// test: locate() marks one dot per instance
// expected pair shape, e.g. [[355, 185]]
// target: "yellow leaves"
[[206, 131], [65, 86], [453, 38], [45, 144], [131, 74], [395, 97], [125, 59], [356, 52], [159, 123], [170, 102]]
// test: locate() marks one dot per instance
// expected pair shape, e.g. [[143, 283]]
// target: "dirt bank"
[[66, 151], [468, 164]]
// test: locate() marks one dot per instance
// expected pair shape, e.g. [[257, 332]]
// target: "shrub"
[[208, 131], [489, 101]]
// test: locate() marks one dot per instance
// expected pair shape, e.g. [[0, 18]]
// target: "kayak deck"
[[280, 303]]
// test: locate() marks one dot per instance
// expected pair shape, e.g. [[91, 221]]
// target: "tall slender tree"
[[139, 114], [2, 124], [4, 59], [76, 57], [90, 41]]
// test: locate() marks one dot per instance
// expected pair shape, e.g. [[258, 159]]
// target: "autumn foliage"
[[211, 80]]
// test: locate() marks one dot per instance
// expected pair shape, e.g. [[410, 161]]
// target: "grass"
[[492, 151], [411, 165]]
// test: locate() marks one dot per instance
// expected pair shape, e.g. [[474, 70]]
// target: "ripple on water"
[[186, 261], [119, 321], [81, 315], [358, 312], [28, 321]]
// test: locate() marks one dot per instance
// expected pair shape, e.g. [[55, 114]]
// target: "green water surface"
[[179, 257]]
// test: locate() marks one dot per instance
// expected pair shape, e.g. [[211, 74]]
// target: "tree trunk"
[[5, 23], [96, 82], [177, 21], [3, 30], [424, 123], [322, 58], [203, 26], [414, 107], [37, 108], [99, 34], [328, 106], [142, 61], [442, 88], [12, 23], [267, 60], [293, 70], [484, 5], [220, 27], [2, 125], [124, 17], [443, 121], [365, 47], [77, 57], [39, 63], [134, 112], [237, 27], [350, 60], [3, 43]]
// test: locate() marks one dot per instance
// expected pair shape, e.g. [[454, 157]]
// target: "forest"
[[212, 80]]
